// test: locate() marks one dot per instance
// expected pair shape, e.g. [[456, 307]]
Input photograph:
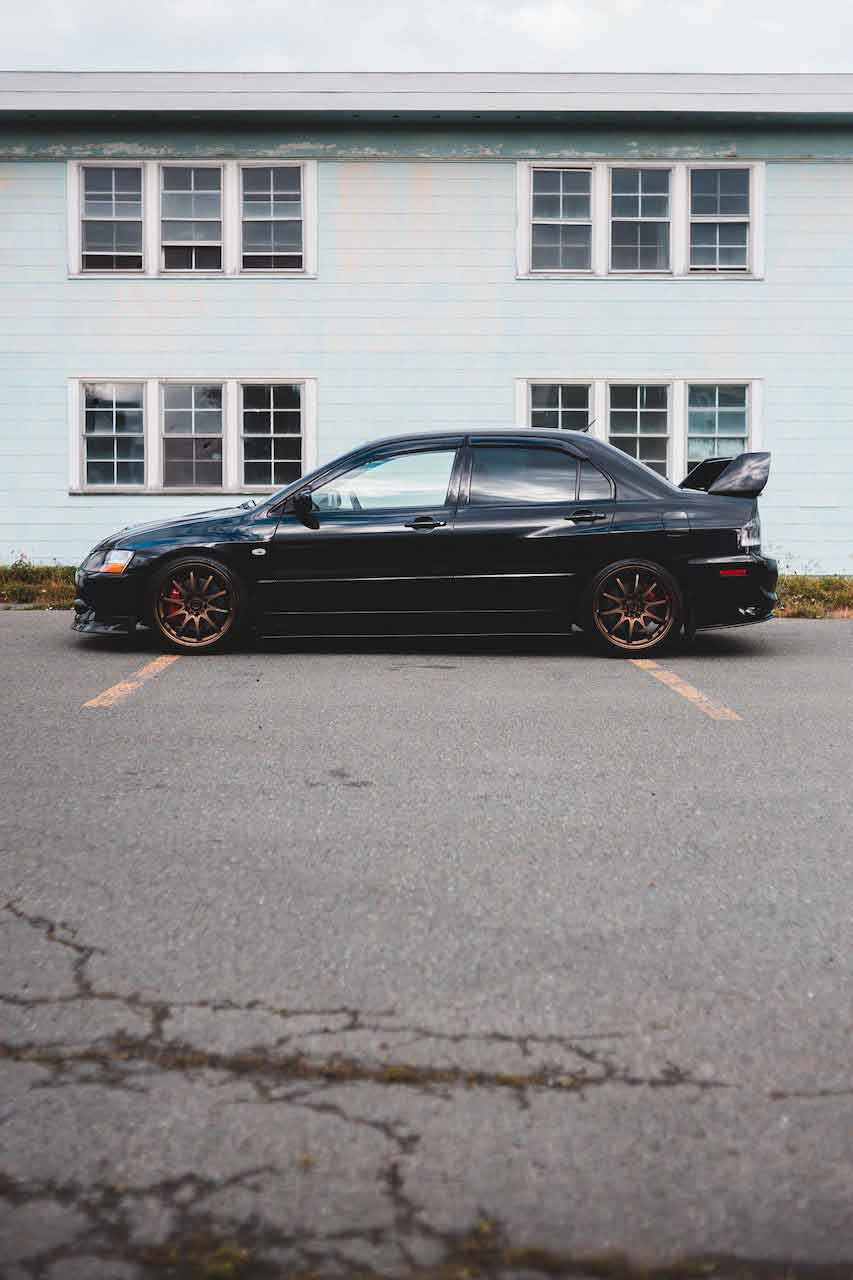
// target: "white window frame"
[[594, 196], [677, 404], [670, 220], [309, 227], [152, 247], [162, 246], [754, 221], [153, 431], [74, 196], [679, 219]]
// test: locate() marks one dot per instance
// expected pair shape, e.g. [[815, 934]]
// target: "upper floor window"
[[191, 218], [561, 220], [111, 231], [272, 218], [204, 218], [613, 218], [719, 219], [639, 213]]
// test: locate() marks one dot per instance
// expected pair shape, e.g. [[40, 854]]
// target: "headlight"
[[749, 537], [116, 561], [93, 561]]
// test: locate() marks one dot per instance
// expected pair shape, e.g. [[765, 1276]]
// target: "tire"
[[633, 608], [196, 605]]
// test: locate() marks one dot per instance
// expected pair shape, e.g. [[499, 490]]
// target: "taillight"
[[749, 537]]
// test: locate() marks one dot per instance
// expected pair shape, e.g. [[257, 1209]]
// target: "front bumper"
[[106, 604], [731, 591]]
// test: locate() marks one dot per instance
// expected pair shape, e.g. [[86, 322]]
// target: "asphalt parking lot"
[[483, 957]]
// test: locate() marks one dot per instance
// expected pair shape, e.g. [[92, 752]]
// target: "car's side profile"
[[470, 532]]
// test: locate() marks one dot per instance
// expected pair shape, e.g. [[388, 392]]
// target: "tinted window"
[[404, 480], [523, 474], [593, 484]]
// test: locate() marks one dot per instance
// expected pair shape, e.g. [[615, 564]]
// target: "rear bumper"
[[731, 591]]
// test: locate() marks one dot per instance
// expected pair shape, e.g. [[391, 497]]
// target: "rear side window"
[[501, 474], [593, 485]]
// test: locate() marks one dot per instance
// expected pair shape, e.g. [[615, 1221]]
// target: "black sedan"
[[450, 534]]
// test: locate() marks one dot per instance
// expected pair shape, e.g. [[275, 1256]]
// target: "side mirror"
[[303, 504]]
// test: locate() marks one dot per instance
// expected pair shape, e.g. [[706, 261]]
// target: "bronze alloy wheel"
[[195, 604], [634, 607]]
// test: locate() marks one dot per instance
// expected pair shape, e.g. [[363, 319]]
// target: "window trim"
[[677, 409], [594, 196], [152, 425], [679, 219], [152, 245]]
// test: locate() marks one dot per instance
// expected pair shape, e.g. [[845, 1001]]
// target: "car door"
[[531, 518], [372, 553]]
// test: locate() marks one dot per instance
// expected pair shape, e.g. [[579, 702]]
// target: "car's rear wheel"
[[633, 608], [196, 604]]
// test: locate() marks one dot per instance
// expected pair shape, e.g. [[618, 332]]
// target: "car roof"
[[482, 433]]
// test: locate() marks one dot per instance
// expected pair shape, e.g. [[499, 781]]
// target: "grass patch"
[[52, 587], [812, 596], [39, 585]]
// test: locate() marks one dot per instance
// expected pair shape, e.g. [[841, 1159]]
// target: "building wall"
[[417, 320]]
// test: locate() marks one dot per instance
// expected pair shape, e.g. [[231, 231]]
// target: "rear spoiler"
[[742, 477]]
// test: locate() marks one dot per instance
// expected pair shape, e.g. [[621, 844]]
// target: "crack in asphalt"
[[200, 1244]]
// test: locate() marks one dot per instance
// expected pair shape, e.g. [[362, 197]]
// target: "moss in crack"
[[201, 1258]]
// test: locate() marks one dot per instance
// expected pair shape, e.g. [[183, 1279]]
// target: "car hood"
[[157, 530]]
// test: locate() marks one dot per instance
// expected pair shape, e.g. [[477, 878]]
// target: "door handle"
[[585, 516], [425, 522]]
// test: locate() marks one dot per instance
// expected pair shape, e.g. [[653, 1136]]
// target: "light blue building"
[[208, 282]]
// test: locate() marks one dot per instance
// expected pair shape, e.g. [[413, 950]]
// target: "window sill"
[[693, 274], [191, 275], [142, 492]]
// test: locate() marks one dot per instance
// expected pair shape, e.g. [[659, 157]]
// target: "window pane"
[[624, 397], [732, 397], [593, 485], [130, 473], [178, 396], [544, 419], [544, 395], [100, 473], [409, 480], [546, 206], [286, 396], [258, 449], [99, 448], [522, 475], [574, 397], [546, 180], [561, 247]]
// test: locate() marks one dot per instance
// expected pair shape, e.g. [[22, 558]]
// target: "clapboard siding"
[[417, 320]]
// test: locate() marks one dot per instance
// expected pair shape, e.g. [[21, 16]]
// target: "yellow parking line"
[[700, 700], [117, 691]]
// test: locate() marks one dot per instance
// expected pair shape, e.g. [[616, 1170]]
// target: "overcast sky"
[[427, 35]]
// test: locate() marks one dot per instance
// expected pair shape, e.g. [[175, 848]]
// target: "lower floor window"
[[670, 425], [272, 432], [158, 435], [114, 435], [638, 423], [716, 420]]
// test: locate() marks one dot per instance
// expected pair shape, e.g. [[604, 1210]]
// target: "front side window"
[[639, 423], [272, 433], [192, 435], [561, 235], [114, 436], [639, 219], [716, 421], [719, 219], [561, 405], [272, 218], [408, 480], [503, 474], [191, 218], [111, 230]]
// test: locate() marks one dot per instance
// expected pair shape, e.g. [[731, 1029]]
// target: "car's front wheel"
[[633, 608], [196, 604]]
